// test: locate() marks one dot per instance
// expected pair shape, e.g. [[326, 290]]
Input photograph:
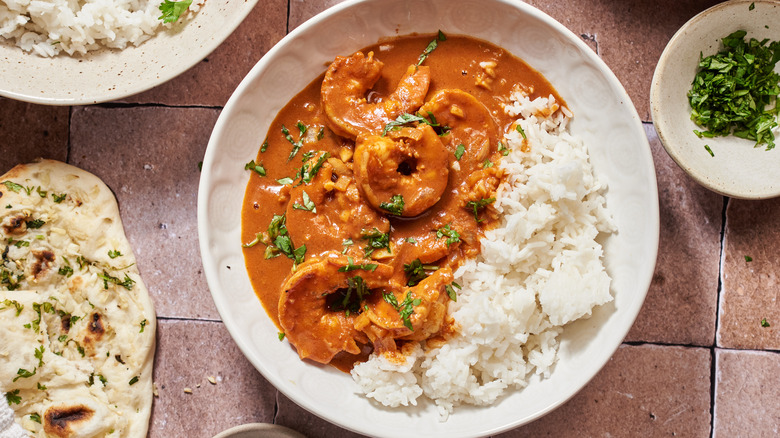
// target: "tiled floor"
[[696, 363]]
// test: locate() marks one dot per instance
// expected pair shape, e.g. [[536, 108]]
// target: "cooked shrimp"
[[344, 89], [411, 163], [469, 121], [313, 308], [383, 320]]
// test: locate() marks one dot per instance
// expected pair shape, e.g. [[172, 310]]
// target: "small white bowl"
[[259, 430], [109, 74], [738, 169]]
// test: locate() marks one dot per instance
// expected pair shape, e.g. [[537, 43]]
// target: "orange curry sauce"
[[481, 69]]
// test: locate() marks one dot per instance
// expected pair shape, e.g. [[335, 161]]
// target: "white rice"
[[49, 27], [540, 269]]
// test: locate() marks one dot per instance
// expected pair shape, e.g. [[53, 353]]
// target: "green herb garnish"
[[126, 283], [452, 235], [256, 168], [732, 89], [171, 11], [376, 240], [114, 253], [395, 206], [308, 204], [35, 417], [459, 151], [297, 145], [431, 47], [475, 206], [13, 397], [748, 258], [12, 186], [405, 309], [764, 323], [450, 288], [351, 266], [22, 373], [133, 380], [416, 272]]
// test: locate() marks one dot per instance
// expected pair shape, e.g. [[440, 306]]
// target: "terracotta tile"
[[644, 391], [212, 81], [750, 289], [149, 157], [295, 417], [630, 36], [29, 131], [188, 352], [682, 300], [746, 394], [302, 10]]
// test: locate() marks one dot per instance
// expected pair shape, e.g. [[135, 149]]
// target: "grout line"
[[177, 318], [714, 348]]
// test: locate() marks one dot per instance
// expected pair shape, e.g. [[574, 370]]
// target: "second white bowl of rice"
[[104, 50], [556, 287]]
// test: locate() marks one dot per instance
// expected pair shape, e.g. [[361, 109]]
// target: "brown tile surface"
[[681, 304], [147, 149], [188, 352], [149, 157], [29, 131], [751, 289], [212, 81], [747, 394], [643, 391]]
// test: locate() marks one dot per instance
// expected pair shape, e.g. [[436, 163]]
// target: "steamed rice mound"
[[538, 270], [49, 27]]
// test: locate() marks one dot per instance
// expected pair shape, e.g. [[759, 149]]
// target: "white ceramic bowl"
[[106, 74], [258, 430], [737, 169], [604, 118]]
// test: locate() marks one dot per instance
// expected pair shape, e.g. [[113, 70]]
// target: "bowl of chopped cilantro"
[[714, 98]]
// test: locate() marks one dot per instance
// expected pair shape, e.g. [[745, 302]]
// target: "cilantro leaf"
[[395, 206], [171, 11]]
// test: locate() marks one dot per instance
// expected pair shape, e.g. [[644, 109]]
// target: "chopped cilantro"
[[487, 163], [264, 146], [459, 151], [35, 223], [308, 204], [748, 258], [7, 303], [256, 168], [351, 266], [22, 373], [376, 240], [395, 206], [732, 88], [171, 11], [114, 253], [39, 355], [431, 47], [35, 417], [12, 186], [452, 235], [709, 150], [133, 380], [127, 282], [450, 288], [521, 131], [416, 272], [59, 198], [13, 397], [764, 323], [143, 325], [475, 206], [281, 335], [405, 309]]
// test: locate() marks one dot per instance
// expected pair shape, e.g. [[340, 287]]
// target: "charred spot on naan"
[[42, 263], [96, 329], [15, 225], [64, 421]]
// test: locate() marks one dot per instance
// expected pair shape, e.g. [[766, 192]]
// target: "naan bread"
[[77, 327]]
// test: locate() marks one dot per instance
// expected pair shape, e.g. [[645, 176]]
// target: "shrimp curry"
[[373, 184]]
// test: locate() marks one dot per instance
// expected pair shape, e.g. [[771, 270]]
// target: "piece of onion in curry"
[[372, 186]]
